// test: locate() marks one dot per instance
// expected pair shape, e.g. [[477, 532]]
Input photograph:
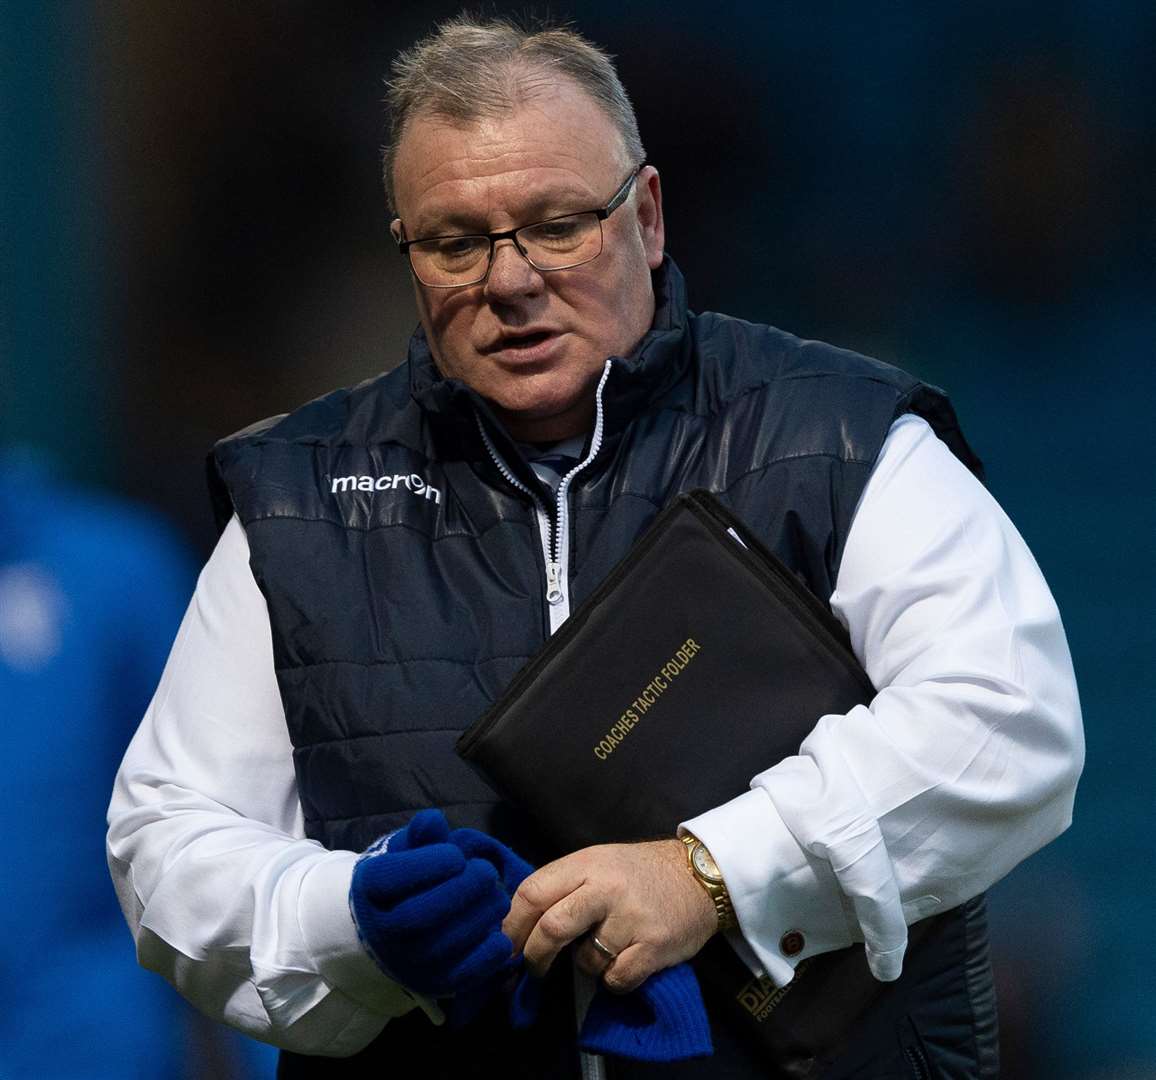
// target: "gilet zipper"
[[918, 1063], [555, 535], [556, 550]]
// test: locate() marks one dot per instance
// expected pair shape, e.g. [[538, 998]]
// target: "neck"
[[548, 429]]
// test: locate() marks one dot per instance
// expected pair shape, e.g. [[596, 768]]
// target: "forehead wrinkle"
[[555, 144], [492, 141], [473, 188], [511, 202], [484, 160]]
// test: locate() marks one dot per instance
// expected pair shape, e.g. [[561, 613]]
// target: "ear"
[[650, 223], [397, 230]]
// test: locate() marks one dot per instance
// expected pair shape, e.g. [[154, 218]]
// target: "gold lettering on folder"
[[647, 699]]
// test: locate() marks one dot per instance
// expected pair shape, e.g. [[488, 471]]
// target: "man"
[[392, 554]]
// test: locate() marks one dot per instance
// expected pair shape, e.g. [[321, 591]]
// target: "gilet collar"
[[647, 373]]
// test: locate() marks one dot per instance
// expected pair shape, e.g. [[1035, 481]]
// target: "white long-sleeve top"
[[964, 763]]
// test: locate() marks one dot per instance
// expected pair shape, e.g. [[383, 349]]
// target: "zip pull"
[[554, 583]]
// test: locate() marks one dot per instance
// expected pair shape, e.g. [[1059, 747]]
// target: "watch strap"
[[716, 890]]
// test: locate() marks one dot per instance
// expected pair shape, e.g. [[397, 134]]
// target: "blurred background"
[[193, 236]]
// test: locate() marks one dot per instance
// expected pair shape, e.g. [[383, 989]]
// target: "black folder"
[[699, 661]]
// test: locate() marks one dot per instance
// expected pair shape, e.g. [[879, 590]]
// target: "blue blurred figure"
[[91, 592]]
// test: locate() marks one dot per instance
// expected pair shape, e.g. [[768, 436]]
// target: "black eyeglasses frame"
[[601, 212]]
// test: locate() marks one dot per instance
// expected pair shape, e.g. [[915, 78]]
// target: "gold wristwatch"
[[708, 875]]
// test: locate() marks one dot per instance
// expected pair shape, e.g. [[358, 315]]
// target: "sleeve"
[[225, 896], [963, 764]]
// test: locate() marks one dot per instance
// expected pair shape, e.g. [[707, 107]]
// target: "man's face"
[[532, 343]]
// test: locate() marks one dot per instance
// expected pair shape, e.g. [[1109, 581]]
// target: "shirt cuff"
[[788, 902], [331, 937]]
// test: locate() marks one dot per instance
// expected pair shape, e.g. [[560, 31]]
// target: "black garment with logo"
[[405, 583]]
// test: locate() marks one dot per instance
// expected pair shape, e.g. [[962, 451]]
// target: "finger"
[[428, 827], [632, 967], [562, 923], [485, 966], [509, 864], [446, 944], [538, 893], [520, 919], [490, 960], [587, 956], [424, 828], [473, 842], [393, 875], [492, 956], [448, 900]]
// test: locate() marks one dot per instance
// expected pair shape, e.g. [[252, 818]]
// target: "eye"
[[561, 234], [459, 248], [559, 229]]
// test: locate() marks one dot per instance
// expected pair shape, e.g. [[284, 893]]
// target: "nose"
[[511, 275]]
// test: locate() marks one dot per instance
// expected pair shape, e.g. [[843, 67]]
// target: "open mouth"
[[524, 341]]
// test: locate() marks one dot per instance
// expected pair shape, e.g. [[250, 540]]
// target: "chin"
[[545, 418]]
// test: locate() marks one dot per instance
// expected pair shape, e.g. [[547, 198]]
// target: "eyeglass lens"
[[558, 244]]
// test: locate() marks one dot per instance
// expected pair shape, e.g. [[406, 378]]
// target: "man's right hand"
[[429, 913]]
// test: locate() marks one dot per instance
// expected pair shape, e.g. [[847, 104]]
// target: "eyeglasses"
[[559, 243]]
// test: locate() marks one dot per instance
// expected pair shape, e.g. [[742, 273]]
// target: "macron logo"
[[413, 483]]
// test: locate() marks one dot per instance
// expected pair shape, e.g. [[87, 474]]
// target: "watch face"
[[704, 864]]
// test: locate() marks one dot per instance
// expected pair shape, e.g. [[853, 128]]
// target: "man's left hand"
[[640, 900]]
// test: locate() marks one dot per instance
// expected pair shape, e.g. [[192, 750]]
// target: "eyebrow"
[[539, 208]]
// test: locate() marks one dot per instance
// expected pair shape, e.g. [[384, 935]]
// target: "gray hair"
[[470, 68]]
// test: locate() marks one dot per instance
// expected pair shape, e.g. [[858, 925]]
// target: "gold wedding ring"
[[610, 954]]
